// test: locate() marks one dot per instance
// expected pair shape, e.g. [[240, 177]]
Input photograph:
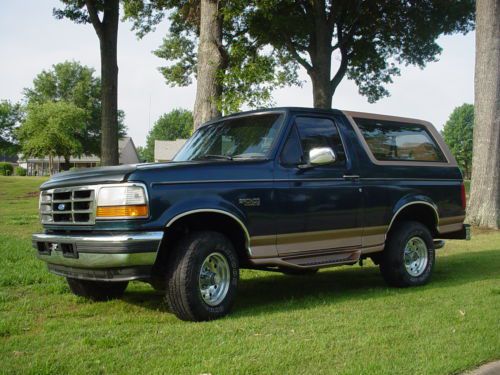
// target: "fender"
[[409, 200]]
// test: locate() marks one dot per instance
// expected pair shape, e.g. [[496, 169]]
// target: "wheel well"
[[420, 212], [214, 221]]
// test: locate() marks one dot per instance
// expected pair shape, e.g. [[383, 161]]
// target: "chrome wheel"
[[415, 256], [214, 279]]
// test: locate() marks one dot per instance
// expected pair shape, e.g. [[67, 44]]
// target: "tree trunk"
[[107, 32], [322, 89], [484, 205], [210, 61]]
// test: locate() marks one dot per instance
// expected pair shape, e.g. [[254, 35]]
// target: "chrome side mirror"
[[321, 156]]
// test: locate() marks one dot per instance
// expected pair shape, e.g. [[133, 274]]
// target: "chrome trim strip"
[[106, 238], [214, 210], [409, 204]]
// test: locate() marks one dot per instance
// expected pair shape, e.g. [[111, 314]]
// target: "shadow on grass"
[[276, 292]]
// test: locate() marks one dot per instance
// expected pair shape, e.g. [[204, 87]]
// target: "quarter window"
[[394, 141]]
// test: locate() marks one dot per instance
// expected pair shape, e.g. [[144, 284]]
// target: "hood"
[[90, 176]]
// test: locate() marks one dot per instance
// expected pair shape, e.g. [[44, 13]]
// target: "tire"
[[97, 290], [299, 272], [202, 277], [415, 240]]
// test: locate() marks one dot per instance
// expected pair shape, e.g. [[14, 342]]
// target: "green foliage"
[[458, 135], [6, 169], [141, 151], [20, 171], [52, 129], [177, 124], [10, 117], [77, 84], [251, 71], [367, 39]]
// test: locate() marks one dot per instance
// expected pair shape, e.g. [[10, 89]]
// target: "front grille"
[[68, 206]]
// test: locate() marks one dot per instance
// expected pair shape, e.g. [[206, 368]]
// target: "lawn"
[[343, 320]]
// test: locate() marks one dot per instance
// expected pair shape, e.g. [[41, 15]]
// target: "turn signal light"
[[122, 211]]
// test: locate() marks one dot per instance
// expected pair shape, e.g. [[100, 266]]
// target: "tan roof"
[[166, 150]]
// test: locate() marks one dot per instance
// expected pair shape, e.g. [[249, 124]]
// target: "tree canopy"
[[11, 115], [249, 73], [52, 129], [458, 135], [177, 124], [364, 40], [74, 83]]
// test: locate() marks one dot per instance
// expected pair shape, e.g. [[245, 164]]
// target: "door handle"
[[351, 177]]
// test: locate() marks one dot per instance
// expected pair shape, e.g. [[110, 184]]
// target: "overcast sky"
[[32, 40]]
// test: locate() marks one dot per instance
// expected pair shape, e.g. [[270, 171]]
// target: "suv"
[[287, 189]]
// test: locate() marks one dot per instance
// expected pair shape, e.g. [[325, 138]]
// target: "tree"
[[366, 40], [89, 11], [230, 68], [77, 84], [484, 205], [51, 129], [457, 134], [177, 124], [10, 116]]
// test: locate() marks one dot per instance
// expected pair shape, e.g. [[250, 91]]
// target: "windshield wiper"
[[210, 156]]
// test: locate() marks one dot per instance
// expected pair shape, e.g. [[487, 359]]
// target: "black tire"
[[183, 294], [392, 259], [299, 272], [97, 290]]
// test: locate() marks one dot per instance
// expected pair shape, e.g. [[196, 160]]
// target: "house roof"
[[166, 150]]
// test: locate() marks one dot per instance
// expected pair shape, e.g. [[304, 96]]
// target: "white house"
[[166, 150], [40, 166]]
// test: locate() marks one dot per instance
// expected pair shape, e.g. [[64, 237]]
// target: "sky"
[[32, 40]]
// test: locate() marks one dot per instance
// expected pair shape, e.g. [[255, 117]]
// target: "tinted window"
[[319, 132], [390, 141], [292, 153]]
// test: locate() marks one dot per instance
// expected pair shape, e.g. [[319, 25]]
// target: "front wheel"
[[408, 258], [203, 277], [97, 290]]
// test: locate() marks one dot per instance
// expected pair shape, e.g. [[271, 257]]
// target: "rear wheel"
[[409, 256], [97, 290], [203, 277]]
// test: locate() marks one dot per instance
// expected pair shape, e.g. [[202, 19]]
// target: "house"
[[40, 166], [166, 150]]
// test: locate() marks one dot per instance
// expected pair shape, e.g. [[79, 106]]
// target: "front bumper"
[[110, 257]]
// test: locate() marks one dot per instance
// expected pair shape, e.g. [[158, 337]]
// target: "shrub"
[[20, 171], [6, 169]]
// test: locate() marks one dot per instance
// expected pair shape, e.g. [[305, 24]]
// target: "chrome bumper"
[[97, 252]]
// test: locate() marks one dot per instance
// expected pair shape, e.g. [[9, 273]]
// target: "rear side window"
[[395, 141], [319, 132]]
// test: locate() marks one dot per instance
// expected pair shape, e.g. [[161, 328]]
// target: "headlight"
[[122, 202]]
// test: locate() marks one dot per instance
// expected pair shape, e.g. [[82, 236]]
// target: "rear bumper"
[[112, 257]]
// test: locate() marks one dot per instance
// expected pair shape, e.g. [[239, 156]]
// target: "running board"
[[311, 261]]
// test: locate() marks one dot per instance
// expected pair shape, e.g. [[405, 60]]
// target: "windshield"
[[250, 137]]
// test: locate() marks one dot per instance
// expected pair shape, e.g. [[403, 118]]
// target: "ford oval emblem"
[[61, 207]]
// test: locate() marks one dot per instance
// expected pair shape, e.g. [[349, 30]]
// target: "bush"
[[20, 171], [6, 169]]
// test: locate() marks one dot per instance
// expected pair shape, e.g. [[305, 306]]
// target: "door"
[[318, 206]]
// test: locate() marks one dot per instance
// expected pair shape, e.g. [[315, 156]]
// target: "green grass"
[[343, 320]]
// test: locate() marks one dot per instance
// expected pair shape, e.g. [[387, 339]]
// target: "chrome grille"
[[68, 206]]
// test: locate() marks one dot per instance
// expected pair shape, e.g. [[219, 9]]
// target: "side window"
[[292, 153], [319, 132], [389, 140]]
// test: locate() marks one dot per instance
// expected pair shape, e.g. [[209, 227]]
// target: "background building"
[[166, 150]]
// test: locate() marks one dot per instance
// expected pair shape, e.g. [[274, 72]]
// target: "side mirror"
[[321, 156]]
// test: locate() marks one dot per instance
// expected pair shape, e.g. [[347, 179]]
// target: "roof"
[[311, 110], [166, 150]]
